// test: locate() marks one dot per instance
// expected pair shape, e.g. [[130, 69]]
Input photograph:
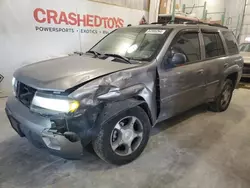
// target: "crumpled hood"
[[61, 74], [246, 57]]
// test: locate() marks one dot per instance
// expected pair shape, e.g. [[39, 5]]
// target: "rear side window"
[[213, 45], [189, 45], [231, 42]]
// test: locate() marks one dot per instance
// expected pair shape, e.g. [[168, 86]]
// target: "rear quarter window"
[[231, 42]]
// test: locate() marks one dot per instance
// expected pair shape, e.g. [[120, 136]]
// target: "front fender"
[[140, 92], [118, 95]]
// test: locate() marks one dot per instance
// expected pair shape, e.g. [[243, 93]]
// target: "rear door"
[[182, 86], [214, 56]]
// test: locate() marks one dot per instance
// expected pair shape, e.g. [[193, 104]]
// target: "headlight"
[[59, 105], [14, 85], [13, 81]]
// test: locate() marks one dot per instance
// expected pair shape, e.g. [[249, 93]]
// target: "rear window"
[[231, 42]]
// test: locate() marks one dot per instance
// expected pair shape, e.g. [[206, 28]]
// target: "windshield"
[[133, 43], [245, 47]]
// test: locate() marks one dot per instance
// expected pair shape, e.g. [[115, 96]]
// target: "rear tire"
[[222, 102], [116, 131]]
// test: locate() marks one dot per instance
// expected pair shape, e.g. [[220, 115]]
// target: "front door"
[[182, 86]]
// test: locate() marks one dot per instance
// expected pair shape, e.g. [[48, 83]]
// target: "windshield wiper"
[[94, 52], [119, 56]]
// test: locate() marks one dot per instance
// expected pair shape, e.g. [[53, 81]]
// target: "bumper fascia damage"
[[39, 131]]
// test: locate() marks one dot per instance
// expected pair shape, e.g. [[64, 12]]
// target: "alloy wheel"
[[126, 136], [226, 95]]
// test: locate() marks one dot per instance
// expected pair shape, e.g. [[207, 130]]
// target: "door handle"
[[201, 71], [225, 65]]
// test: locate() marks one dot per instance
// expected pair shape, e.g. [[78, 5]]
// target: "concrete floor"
[[196, 149]]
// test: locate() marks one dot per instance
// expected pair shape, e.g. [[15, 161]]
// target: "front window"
[[188, 44], [133, 43]]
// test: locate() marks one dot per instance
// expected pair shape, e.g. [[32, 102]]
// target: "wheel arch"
[[234, 77], [232, 73], [111, 109], [146, 108]]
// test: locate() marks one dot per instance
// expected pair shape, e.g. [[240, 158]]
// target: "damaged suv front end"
[[65, 121], [60, 104]]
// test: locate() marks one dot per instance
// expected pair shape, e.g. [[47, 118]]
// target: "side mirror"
[[178, 59], [175, 60]]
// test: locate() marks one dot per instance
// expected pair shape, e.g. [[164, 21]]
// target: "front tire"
[[123, 138], [222, 102]]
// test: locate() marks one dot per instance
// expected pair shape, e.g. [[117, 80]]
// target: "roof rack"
[[192, 22], [177, 22], [210, 24]]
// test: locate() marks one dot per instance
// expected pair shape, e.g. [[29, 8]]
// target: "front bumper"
[[37, 129]]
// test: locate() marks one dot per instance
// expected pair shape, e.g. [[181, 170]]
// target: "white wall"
[[138, 4], [234, 10], [21, 44], [154, 10]]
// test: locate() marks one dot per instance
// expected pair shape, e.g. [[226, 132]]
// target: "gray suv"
[[110, 97]]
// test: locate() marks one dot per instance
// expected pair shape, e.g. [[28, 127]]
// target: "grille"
[[25, 93]]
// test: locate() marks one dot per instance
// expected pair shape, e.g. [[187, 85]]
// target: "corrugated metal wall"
[[134, 4]]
